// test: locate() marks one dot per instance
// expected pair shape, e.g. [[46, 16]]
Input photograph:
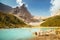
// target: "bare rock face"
[[23, 13]]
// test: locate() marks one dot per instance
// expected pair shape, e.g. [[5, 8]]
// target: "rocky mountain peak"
[[23, 13]]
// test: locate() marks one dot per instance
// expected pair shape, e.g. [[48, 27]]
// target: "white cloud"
[[19, 2], [55, 6]]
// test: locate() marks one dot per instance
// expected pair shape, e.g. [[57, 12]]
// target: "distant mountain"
[[56, 13], [5, 8], [52, 22], [10, 21], [23, 13]]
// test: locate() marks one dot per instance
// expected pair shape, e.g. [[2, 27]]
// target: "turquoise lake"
[[18, 33]]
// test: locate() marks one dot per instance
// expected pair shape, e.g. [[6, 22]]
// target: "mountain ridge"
[[5, 8], [23, 13], [10, 21], [52, 21]]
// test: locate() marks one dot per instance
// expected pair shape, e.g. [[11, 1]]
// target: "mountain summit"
[[23, 13]]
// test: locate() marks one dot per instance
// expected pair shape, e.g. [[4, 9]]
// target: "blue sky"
[[35, 7]]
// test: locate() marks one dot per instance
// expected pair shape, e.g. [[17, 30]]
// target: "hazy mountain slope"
[[10, 21], [5, 8], [52, 21]]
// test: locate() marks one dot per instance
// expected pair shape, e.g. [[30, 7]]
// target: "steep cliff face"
[[5, 8], [23, 13]]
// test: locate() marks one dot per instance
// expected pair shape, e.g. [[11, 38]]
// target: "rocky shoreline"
[[46, 37]]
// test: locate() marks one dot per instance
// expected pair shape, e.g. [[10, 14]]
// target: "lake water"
[[18, 33]]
